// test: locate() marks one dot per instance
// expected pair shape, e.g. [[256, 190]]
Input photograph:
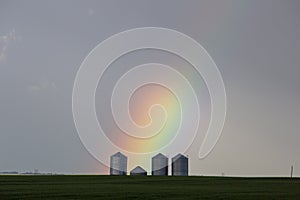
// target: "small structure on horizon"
[[180, 165], [118, 164], [138, 171], [160, 165]]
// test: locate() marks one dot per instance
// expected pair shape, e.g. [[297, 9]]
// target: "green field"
[[108, 187]]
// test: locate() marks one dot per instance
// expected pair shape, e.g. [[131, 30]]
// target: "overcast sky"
[[255, 44]]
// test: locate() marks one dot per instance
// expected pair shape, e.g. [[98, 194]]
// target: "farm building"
[[138, 171], [118, 164], [180, 165], [160, 165]]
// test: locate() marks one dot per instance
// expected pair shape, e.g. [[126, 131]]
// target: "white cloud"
[[10, 37], [5, 41], [42, 86], [3, 54]]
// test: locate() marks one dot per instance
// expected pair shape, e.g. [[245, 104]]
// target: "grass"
[[126, 187]]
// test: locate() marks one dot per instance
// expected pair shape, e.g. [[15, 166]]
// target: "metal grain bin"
[[138, 171], [180, 165], [160, 165], [118, 164]]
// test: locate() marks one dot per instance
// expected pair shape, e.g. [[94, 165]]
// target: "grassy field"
[[107, 187]]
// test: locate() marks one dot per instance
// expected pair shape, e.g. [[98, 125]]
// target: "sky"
[[255, 45]]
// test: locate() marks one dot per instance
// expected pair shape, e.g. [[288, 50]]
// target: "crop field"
[[126, 187]]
